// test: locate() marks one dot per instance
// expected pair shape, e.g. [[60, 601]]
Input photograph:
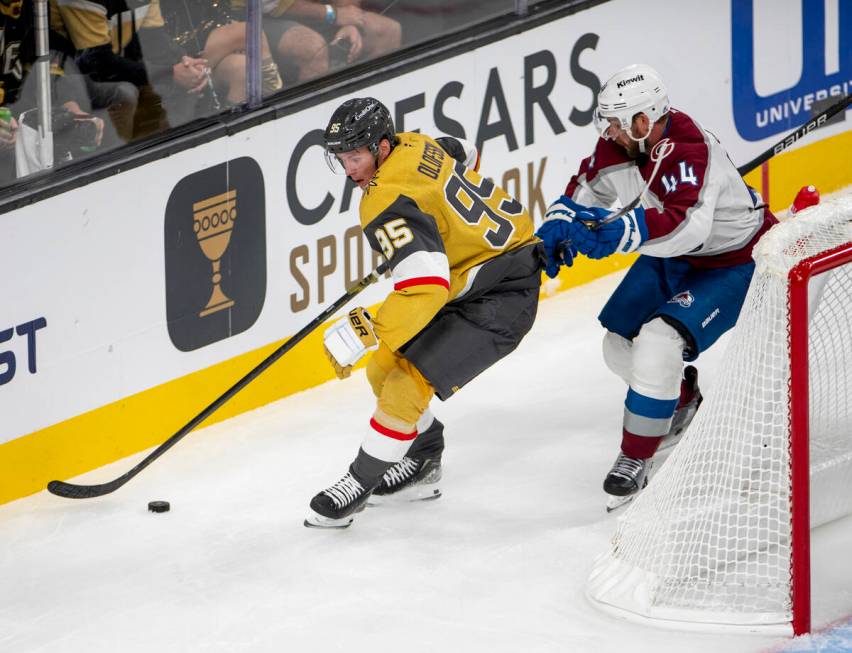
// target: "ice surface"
[[497, 564]]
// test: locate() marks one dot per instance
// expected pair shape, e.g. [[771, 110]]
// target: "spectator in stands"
[[220, 27], [112, 96], [310, 37], [75, 131], [188, 53]]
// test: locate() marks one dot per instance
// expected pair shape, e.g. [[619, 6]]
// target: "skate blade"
[[615, 503], [669, 441], [315, 520], [417, 493]]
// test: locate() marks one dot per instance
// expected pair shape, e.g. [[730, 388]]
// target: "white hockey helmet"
[[635, 89]]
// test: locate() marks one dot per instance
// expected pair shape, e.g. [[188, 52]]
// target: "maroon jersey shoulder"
[[681, 176], [606, 154], [683, 129]]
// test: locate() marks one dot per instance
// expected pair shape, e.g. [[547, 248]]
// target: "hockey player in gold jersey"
[[466, 269]]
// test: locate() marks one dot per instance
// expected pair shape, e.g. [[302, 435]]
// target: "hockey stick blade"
[[72, 491], [75, 491]]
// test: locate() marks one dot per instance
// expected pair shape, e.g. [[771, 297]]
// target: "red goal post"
[[799, 281], [720, 538]]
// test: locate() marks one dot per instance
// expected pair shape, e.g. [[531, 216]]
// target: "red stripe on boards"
[[396, 435]]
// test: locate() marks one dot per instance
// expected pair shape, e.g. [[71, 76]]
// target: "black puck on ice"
[[159, 506]]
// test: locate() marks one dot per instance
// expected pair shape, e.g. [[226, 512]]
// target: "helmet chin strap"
[[642, 140]]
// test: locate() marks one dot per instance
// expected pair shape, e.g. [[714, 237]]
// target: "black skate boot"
[[336, 506], [627, 476], [687, 407], [417, 476], [411, 479]]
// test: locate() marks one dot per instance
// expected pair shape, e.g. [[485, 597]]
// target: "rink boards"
[[131, 303]]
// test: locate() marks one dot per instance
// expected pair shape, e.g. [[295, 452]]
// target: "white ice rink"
[[498, 564]]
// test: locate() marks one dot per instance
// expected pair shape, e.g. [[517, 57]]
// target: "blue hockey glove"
[[567, 209], [555, 235], [623, 236]]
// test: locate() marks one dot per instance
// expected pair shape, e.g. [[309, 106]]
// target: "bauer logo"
[[215, 253], [819, 35]]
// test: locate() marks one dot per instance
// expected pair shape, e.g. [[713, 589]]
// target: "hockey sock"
[[388, 438], [367, 470], [639, 446]]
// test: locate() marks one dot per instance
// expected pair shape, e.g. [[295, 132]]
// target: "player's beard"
[[632, 149]]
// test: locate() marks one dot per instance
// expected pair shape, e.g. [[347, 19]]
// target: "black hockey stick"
[[73, 491], [789, 139]]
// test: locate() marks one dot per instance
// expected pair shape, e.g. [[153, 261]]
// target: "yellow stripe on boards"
[[826, 164], [148, 418], [583, 271]]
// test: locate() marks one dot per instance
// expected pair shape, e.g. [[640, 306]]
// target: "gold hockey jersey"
[[437, 223]]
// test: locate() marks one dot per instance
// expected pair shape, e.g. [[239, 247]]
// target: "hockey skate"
[[626, 478], [414, 478], [336, 506], [687, 407]]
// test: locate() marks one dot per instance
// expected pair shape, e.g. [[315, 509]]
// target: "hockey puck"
[[159, 506]]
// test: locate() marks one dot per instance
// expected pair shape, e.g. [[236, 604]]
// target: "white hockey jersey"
[[697, 206]]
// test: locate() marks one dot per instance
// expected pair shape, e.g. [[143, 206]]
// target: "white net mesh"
[[708, 541]]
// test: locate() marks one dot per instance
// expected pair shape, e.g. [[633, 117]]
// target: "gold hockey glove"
[[346, 342]]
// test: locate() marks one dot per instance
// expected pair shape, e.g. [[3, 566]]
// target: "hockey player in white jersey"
[[694, 229]]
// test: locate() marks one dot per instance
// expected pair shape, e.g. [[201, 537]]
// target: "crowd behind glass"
[[121, 71]]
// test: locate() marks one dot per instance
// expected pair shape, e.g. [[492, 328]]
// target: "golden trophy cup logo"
[[213, 221]]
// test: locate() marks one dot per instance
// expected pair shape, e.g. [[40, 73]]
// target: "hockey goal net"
[[721, 535]]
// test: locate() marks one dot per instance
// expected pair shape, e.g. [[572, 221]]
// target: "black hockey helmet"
[[357, 123]]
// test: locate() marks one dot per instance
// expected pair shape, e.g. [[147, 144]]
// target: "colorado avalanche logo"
[[662, 149], [684, 298]]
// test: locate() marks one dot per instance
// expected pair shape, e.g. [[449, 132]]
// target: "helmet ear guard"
[[632, 90]]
